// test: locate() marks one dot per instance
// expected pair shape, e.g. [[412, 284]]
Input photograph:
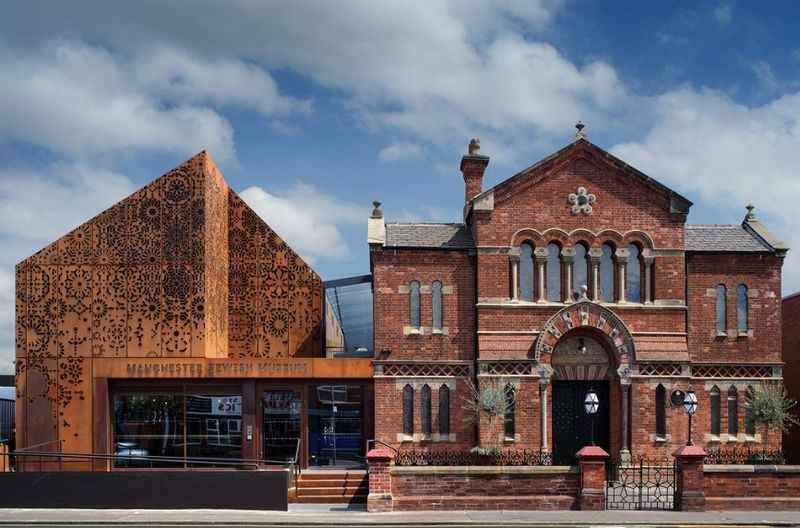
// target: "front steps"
[[331, 487]]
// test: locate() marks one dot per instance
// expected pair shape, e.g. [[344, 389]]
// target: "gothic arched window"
[[553, 272], [509, 420], [436, 304], [741, 308], [444, 410], [633, 275], [733, 411], [661, 411], [408, 410], [526, 274], [413, 303], [714, 399], [580, 270], [427, 427], [721, 310], [607, 273]]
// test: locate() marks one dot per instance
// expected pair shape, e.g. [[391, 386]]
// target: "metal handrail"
[[376, 441], [148, 458]]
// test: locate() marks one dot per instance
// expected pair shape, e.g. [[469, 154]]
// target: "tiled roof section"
[[440, 236], [722, 238]]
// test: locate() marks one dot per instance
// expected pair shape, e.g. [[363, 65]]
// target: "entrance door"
[[572, 427], [335, 426], [281, 425]]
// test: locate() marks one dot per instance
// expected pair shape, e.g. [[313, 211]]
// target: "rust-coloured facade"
[[179, 284]]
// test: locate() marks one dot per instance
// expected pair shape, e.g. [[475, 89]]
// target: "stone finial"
[[750, 214], [376, 211], [580, 134], [584, 292], [474, 146]]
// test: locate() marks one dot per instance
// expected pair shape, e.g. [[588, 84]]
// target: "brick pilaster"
[[380, 462], [592, 460], [689, 489]]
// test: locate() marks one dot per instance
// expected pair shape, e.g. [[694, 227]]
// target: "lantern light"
[[591, 403], [690, 402]]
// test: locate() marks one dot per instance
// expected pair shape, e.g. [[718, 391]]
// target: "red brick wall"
[[738, 490], [791, 371], [757, 272], [453, 490], [389, 413], [395, 268]]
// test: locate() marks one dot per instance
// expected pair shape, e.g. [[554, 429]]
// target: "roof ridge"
[[713, 225], [427, 223]]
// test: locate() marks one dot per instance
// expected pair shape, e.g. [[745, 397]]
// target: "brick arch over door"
[[590, 315]]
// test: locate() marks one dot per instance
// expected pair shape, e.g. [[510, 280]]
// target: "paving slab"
[[337, 515]]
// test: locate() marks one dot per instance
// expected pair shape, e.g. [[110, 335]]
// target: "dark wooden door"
[[572, 427]]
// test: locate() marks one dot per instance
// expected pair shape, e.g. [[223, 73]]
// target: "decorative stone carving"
[[581, 201]]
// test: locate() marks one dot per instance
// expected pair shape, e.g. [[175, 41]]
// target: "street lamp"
[[690, 406], [591, 403]]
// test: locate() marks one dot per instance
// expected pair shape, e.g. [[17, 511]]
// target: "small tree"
[[490, 401], [771, 407]]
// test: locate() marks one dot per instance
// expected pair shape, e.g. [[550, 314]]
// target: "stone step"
[[329, 499], [332, 483], [343, 492]]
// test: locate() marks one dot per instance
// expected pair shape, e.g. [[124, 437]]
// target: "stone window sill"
[[414, 331], [660, 439], [437, 331], [743, 334], [721, 334]]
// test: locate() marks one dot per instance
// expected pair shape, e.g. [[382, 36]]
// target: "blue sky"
[[314, 109]]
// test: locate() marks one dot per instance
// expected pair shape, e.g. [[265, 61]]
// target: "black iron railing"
[[744, 456], [455, 457], [640, 484]]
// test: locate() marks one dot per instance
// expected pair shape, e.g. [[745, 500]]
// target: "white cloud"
[[83, 101], [6, 321], [724, 14], [731, 154], [399, 151], [40, 206], [442, 70], [307, 219]]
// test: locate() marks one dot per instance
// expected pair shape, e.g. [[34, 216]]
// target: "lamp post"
[[591, 403], [690, 406]]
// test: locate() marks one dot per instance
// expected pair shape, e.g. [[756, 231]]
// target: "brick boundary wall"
[[744, 487], [485, 488]]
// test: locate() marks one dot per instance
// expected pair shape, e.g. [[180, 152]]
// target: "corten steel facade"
[[578, 272], [176, 291]]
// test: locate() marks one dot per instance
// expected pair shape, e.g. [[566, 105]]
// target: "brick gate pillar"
[[380, 462], [689, 487], [592, 460]]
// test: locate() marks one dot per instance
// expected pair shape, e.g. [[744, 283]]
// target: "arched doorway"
[[603, 358], [580, 362]]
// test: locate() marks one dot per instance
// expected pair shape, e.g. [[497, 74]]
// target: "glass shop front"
[[324, 423]]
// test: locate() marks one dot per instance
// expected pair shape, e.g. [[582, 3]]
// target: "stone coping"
[[749, 468], [484, 470]]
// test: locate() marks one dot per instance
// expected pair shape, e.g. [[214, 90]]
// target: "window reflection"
[[148, 425]]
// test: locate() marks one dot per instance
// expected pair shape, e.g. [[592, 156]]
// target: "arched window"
[[721, 312], [714, 398], [444, 410], [741, 308], [553, 272], [733, 411], [580, 270], [427, 426], [408, 410], [509, 421], [633, 275], [436, 304], [413, 290], [526, 272], [749, 423], [607, 273], [661, 411]]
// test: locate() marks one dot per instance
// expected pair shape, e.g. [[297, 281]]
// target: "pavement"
[[339, 515]]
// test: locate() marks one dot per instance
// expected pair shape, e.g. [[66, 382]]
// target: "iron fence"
[[640, 484], [453, 457], [744, 455]]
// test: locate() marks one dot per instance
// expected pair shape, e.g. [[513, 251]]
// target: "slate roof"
[[439, 236], [723, 238]]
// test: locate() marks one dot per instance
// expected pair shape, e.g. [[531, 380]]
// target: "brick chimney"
[[473, 166]]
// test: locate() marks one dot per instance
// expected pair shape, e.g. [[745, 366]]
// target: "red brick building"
[[578, 272]]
